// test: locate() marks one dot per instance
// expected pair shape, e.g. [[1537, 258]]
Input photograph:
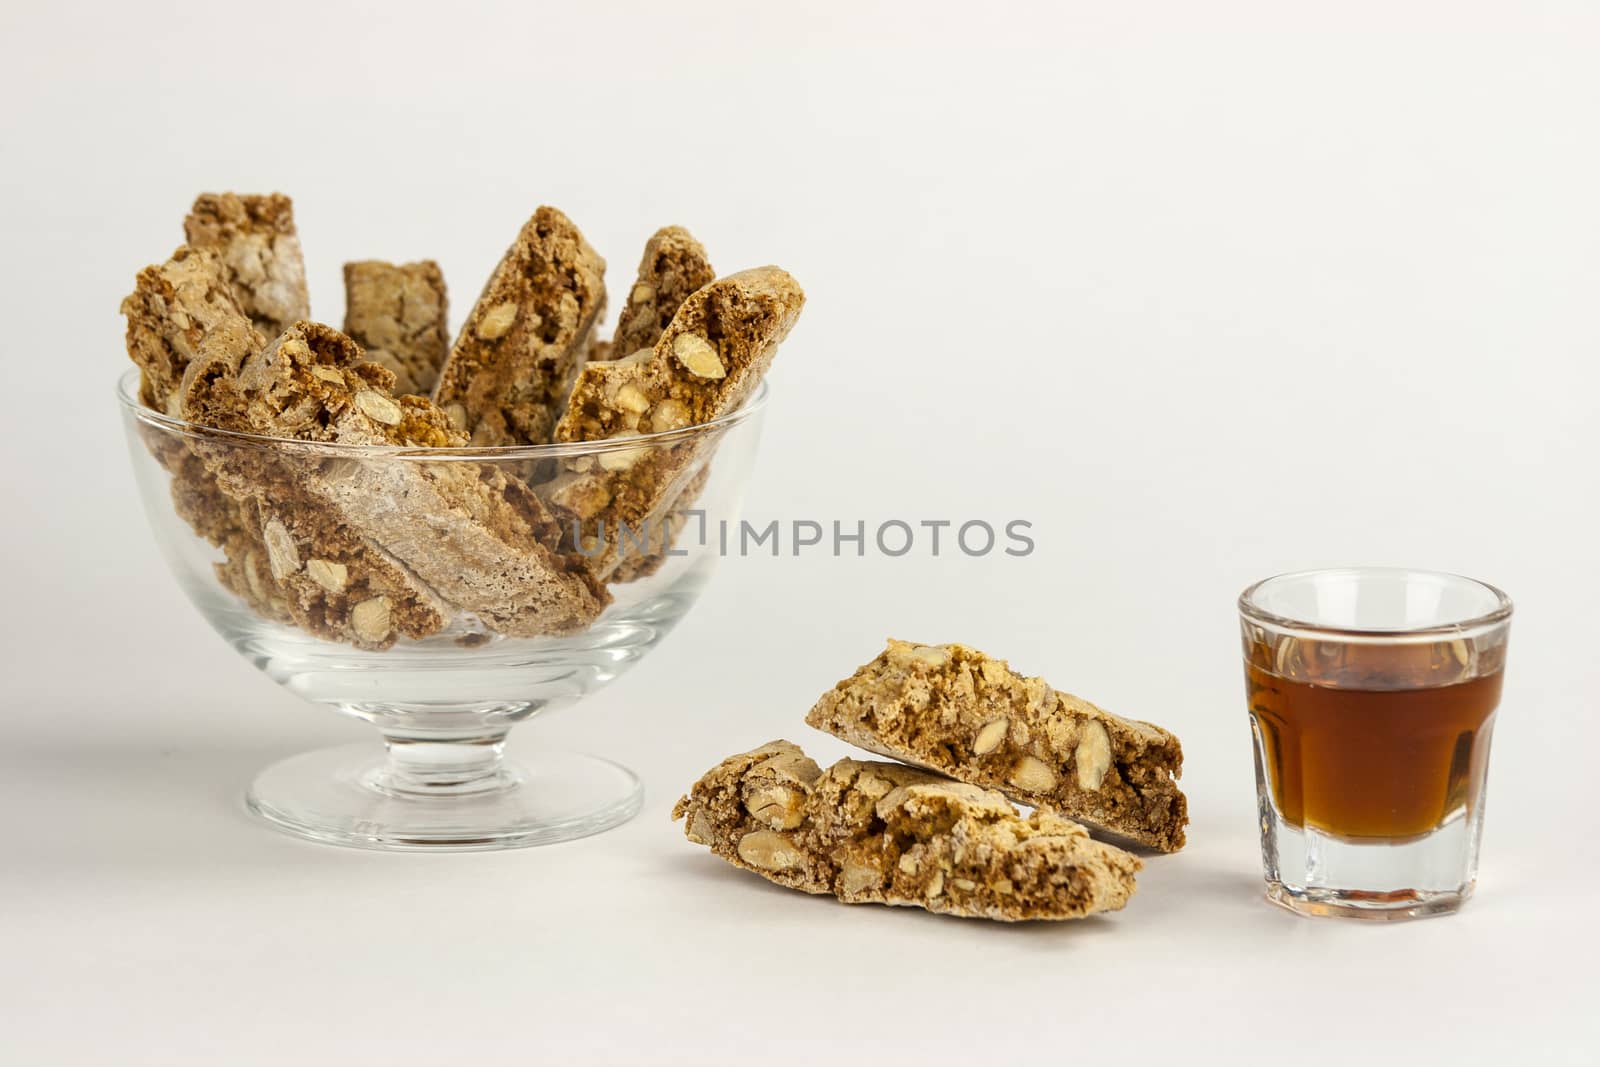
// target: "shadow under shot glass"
[[1372, 698]]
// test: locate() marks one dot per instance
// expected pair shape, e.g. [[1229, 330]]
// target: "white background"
[[1204, 291]]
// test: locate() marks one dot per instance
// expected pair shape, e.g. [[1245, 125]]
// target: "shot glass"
[[1372, 697]]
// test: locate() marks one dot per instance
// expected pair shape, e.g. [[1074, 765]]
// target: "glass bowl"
[[352, 576]]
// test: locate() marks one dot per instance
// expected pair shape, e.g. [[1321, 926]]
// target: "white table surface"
[[1203, 293]]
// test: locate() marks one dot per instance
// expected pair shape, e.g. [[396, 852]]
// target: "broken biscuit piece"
[[524, 340], [881, 833], [254, 237], [398, 313], [957, 711]]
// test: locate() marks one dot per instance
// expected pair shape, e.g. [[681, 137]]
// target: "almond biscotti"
[[673, 266], [296, 561], [709, 359], [706, 363], [959, 712], [514, 360], [255, 239], [472, 533], [397, 313], [174, 307], [661, 544], [881, 833]]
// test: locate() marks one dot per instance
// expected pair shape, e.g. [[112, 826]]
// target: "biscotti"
[[287, 553], [523, 544], [254, 237], [174, 307], [673, 266], [397, 313], [311, 383], [472, 533], [672, 519], [957, 711], [295, 561], [870, 832], [525, 338], [709, 359], [706, 363]]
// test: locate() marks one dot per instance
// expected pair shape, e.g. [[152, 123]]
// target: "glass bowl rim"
[[128, 397], [1453, 628]]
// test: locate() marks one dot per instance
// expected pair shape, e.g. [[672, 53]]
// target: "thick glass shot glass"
[[1372, 698]]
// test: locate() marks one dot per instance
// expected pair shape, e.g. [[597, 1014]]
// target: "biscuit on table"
[[882, 833], [959, 712]]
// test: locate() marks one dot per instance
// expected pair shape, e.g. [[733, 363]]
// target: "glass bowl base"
[[344, 796]]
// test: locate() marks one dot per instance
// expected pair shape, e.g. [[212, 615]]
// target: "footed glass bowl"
[[442, 595]]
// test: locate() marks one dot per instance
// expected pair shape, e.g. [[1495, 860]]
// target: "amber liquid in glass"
[[1376, 742]]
